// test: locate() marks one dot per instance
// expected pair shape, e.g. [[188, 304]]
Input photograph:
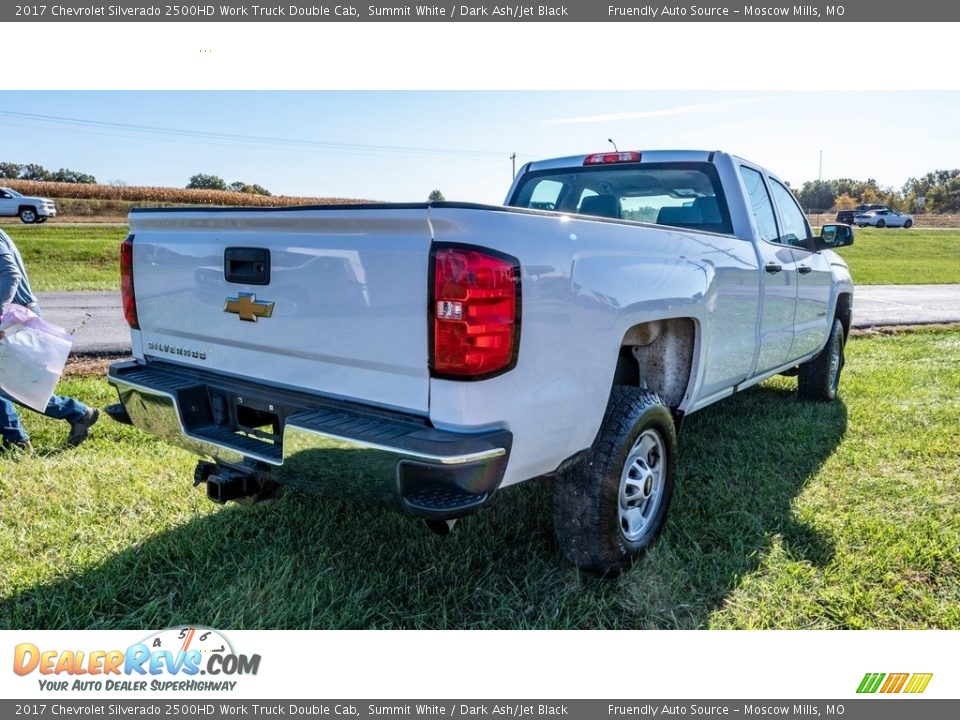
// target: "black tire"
[[28, 215], [819, 378], [861, 226], [635, 449], [907, 224], [881, 223], [40, 220]]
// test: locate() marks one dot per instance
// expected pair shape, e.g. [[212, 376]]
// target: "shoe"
[[80, 430], [20, 445]]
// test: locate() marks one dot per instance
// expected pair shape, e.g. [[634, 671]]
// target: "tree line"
[[201, 181], [32, 171], [937, 191]]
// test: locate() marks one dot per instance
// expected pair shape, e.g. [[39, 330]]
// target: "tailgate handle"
[[246, 266]]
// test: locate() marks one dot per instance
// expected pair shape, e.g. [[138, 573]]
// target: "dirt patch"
[[91, 364], [901, 329], [89, 219]]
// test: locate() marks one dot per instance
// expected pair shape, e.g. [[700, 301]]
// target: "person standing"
[[15, 288]]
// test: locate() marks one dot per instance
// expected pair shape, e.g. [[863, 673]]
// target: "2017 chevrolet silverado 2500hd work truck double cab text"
[[427, 356]]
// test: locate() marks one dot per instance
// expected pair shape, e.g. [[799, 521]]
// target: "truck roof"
[[646, 156]]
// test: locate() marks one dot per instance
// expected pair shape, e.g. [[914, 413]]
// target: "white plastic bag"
[[32, 355]]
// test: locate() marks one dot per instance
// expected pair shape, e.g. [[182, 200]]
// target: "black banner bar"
[[481, 11]]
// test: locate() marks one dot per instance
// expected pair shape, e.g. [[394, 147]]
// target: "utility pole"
[[513, 164], [820, 171]]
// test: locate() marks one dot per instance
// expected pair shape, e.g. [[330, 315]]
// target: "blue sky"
[[398, 146]]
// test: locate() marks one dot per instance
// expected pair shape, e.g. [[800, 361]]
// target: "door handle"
[[804, 269], [772, 267]]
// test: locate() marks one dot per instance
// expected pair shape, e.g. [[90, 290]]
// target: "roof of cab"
[[646, 156]]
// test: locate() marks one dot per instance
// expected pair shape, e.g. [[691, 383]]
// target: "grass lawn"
[[87, 258], [904, 257], [786, 515], [70, 258]]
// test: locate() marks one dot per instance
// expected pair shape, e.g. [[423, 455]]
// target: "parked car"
[[847, 216], [29, 209], [883, 218], [425, 357]]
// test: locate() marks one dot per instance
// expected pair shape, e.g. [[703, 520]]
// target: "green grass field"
[[70, 258], [904, 257], [786, 515], [86, 258]]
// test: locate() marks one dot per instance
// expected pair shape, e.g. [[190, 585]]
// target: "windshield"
[[686, 195]]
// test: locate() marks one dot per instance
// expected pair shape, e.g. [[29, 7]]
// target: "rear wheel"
[[908, 223], [881, 223], [819, 378], [28, 215], [611, 506]]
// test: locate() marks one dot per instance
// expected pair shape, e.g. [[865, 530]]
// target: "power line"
[[259, 140]]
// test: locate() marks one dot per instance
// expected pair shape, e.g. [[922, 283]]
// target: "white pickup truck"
[[426, 356], [28, 209]]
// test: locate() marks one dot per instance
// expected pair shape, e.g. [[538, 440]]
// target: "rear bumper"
[[323, 446]]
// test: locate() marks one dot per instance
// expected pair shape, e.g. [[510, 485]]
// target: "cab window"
[[684, 195]]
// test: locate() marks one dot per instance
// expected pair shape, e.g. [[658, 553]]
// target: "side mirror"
[[834, 236]]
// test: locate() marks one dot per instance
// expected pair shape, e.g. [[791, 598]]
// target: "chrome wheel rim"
[[641, 484], [28, 216]]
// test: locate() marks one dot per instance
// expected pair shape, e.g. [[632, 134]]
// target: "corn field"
[[162, 195]]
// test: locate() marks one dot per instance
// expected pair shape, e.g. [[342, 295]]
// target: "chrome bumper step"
[[320, 445]]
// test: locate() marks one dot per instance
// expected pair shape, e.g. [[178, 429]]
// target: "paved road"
[[98, 325], [905, 305], [94, 318]]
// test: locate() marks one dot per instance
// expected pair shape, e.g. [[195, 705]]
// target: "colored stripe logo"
[[894, 683]]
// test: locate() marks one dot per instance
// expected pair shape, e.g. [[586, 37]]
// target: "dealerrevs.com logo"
[[909, 683], [178, 659]]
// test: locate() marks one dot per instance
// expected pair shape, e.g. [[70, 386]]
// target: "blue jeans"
[[59, 408]]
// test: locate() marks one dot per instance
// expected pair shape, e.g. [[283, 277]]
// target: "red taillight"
[[614, 157], [126, 283], [476, 305]]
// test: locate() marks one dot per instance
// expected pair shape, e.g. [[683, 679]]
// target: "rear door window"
[[760, 204], [545, 194]]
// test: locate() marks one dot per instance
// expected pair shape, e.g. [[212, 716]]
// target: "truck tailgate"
[[339, 308]]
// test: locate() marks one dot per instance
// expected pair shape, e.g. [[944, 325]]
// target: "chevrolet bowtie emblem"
[[247, 307]]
